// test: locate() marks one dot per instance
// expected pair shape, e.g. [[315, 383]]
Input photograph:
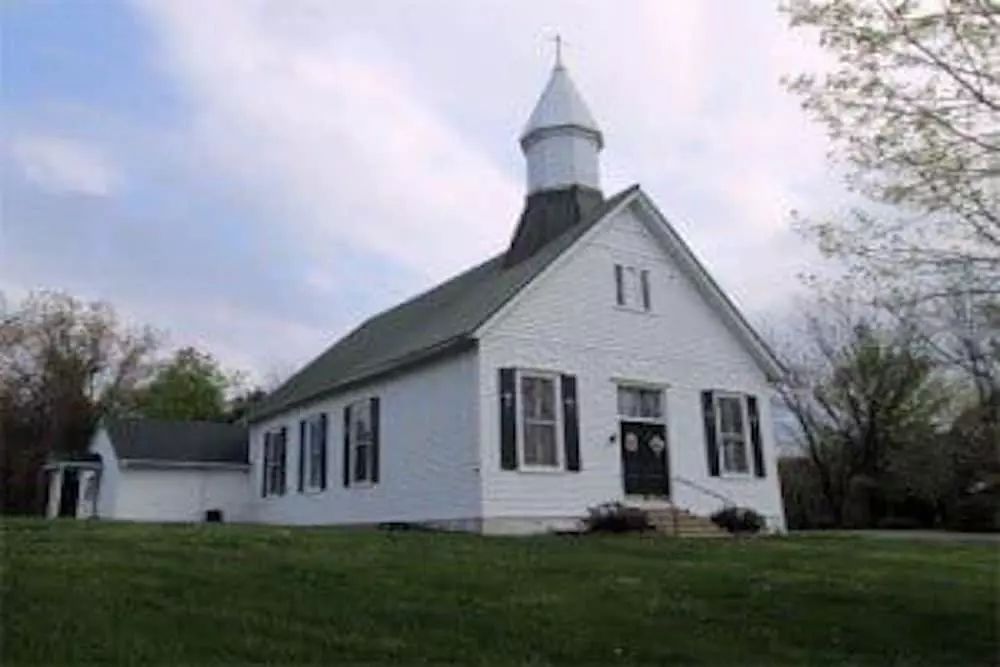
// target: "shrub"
[[739, 520], [976, 513], [615, 517], [898, 523]]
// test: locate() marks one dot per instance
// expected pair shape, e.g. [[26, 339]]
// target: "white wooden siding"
[[181, 494], [428, 453], [567, 321], [107, 493]]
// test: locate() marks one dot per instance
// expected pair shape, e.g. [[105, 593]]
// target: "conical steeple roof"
[[561, 106]]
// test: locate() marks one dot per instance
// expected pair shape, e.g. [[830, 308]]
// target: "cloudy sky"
[[256, 176]]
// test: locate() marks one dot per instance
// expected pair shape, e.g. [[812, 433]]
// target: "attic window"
[[632, 287]]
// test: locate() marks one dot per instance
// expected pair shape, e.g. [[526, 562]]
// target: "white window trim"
[[661, 420], [519, 403], [368, 482], [307, 485], [719, 437]]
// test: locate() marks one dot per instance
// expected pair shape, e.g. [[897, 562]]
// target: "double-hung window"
[[312, 450], [540, 420], [730, 413], [273, 468], [361, 443], [632, 287]]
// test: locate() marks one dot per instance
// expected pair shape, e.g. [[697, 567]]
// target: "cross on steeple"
[[559, 44]]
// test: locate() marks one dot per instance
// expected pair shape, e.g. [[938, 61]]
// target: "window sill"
[[541, 470], [634, 311], [363, 485], [737, 476]]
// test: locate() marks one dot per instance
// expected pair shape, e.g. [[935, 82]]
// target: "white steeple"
[[561, 140]]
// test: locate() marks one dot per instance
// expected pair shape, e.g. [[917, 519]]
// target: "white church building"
[[594, 359]]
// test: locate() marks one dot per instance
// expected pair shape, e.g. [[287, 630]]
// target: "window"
[[632, 287], [313, 453], [273, 470], [540, 420], [640, 403], [362, 425], [731, 424]]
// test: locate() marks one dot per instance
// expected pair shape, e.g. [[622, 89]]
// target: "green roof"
[[442, 320]]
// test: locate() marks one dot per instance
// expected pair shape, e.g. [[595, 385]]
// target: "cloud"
[[395, 130], [315, 162], [65, 165], [333, 140]]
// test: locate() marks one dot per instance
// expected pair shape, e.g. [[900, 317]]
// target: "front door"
[[644, 459]]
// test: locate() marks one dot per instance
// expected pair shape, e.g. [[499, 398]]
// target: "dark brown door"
[[70, 492], [644, 459]]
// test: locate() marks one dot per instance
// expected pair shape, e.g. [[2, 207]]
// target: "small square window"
[[632, 287]]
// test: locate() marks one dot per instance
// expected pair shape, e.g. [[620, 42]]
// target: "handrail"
[[726, 500]]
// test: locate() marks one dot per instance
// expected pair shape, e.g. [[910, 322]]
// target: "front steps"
[[678, 522]]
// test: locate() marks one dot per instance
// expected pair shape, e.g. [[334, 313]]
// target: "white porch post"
[[55, 492]]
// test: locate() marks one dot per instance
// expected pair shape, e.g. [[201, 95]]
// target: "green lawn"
[[96, 592]]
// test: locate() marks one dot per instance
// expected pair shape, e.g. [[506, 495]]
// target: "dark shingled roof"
[[442, 320], [178, 441], [547, 215]]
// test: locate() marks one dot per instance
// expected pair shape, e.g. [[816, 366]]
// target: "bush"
[[976, 513], [898, 523], [739, 520], [617, 518]]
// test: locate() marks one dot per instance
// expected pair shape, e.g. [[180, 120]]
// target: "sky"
[[255, 177]]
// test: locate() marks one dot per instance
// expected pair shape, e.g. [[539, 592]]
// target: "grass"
[[89, 592]]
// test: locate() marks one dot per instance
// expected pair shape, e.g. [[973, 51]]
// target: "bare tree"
[[912, 103], [63, 364]]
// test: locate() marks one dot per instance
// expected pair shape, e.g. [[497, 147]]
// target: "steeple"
[[561, 141]]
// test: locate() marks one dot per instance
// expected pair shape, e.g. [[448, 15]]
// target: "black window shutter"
[[571, 423], [263, 465], [322, 451], [644, 280], [619, 285], [284, 460], [711, 439], [303, 434], [376, 437], [508, 420], [347, 445], [758, 448]]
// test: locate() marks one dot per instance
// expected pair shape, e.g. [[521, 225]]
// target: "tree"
[[244, 403], [860, 391], [191, 385], [912, 104], [64, 364]]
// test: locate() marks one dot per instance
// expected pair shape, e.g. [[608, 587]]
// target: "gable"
[[574, 301]]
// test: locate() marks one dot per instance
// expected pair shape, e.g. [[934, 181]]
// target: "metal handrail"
[[726, 500]]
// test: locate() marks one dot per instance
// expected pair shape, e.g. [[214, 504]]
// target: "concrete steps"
[[678, 522]]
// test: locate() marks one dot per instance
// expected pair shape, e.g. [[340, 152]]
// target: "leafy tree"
[[243, 403], [191, 385], [912, 103], [860, 392], [64, 363]]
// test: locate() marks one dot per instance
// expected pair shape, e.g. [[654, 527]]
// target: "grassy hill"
[[75, 592]]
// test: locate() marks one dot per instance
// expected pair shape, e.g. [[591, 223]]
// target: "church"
[[593, 359]]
